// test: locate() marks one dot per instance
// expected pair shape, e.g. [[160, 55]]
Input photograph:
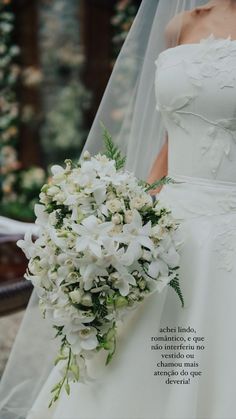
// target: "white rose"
[[117, 218], [138, 202], [128, 216], [166, 221], [114, 205], [158, 232]]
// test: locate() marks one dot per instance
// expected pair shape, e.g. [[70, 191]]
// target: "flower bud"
[[86, 155], [110, 334], [75, 296], [87, 300], [142, 284], [73, 277], [108, 345], [114, 276], [53, 190]]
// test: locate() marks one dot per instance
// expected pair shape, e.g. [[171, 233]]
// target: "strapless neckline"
[[211, 38]]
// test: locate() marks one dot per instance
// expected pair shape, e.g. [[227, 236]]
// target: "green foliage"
[[163, 181], [70, 368], [99, 309], [111, 150], [174, 283]]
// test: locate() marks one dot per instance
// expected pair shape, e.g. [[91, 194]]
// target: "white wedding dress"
[[196, 95]]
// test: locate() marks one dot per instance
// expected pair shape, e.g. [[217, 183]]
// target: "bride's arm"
[[159, 167]]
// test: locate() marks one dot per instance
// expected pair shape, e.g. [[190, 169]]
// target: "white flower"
[[87, 155], [56, 170], [114, 205], [90, 270], [162, 282], [52, 191], [76, 296], [60, 197], [158, 285], [87, 300], [117, 219], [41, 214], [82, 337], [158, 232], [136, 235], [117, 229], [91, 234], [123, 279], [146, 255], [128, 216], [104, 167], [167, 251], [171, 257], [157, 268], [111, 195], [27, 245], [138, 202]]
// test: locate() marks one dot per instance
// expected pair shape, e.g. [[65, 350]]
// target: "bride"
[[178, 104]]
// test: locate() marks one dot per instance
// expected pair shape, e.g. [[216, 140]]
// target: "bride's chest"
[[199, 78]]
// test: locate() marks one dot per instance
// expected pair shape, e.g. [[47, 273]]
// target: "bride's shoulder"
[[181, 22]]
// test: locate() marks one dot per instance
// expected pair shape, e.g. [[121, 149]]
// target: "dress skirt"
[[173, 362]]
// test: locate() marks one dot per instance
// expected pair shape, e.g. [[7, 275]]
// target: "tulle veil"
[[128, 110]]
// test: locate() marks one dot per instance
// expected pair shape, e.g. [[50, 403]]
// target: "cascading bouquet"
[[103, 247]]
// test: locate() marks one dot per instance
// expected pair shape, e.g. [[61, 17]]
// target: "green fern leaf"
[[111, 150], [174, 283], [163, 181]]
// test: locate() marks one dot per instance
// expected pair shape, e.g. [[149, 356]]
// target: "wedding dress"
[[196, 97]]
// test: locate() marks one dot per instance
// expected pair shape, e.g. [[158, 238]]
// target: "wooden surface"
[[14, 289]]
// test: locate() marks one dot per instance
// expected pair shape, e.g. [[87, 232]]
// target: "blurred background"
[[56, 57]]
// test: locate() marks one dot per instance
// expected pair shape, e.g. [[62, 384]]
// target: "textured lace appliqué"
[[211, 59], [225, 247]]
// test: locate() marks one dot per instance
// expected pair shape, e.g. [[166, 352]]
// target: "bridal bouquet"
[[103, 247]]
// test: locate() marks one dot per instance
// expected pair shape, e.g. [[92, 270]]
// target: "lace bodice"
[[195, 88]]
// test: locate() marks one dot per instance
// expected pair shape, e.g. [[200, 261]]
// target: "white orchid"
[[82, 337], [136, 235], [27, 245], [91, 234]]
